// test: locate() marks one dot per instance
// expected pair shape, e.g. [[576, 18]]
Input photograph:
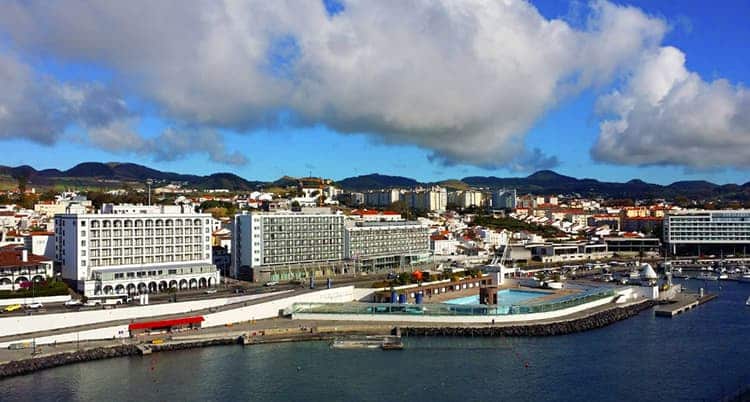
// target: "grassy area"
[[514, 225], [53, 288]]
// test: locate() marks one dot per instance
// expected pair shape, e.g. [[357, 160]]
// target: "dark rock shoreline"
[[598, 320], [594, 321]]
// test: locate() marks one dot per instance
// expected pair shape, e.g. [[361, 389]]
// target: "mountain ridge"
[[541, 182]]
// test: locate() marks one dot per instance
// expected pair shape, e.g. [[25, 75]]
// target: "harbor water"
[[700, 355]]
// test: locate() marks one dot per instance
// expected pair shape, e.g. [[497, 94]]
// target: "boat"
[[680, 275], [386, 342], [747, 302], [723, 277], [708, 277], [744, 279]]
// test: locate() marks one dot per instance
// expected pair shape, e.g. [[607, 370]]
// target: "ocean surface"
[[703, 354]]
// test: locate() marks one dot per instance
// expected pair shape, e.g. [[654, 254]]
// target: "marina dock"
[[683, 302]]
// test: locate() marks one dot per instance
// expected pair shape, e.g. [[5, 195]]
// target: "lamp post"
[[149, 182]]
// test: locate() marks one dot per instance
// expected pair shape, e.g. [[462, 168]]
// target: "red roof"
[[644, 218], [166, 323], [364, 212], [12, 255]]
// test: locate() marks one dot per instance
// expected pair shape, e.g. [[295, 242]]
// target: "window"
[[83, 223], [83, 243]]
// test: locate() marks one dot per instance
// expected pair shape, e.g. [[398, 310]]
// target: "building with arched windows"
[[135, 249]]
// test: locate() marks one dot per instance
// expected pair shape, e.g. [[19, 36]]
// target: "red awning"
[[166, 323]]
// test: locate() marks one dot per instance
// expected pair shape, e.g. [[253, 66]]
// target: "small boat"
[[744, 279], [747, 302], [680, 275], [723, 277], [708, 277]]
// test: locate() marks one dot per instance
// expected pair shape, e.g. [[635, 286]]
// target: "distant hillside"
[[113, 174], [377, 181], [549, 182], [453, 184]]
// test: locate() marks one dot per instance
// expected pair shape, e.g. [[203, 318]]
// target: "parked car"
[[210, 291], [271, 283], [34, 305]]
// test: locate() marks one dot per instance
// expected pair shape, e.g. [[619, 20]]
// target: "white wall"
[[453, 319], [271, 309], [29, 300], [120, 331], [16, 325]]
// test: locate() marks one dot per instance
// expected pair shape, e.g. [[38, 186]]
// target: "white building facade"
[[285, 238], [135, 249], [386, 245], [708, 231]]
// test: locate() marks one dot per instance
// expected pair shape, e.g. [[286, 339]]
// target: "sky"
[[429, 89]]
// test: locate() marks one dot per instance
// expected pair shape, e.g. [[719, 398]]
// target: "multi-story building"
[[432, 199], [504, 199], [382, 198], [265, 242], [698, 232], [129, 249], [466, 198], [386, 245]]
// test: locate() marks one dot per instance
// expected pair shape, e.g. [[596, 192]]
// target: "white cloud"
[[464, 79], [667, 115], [171, 144]]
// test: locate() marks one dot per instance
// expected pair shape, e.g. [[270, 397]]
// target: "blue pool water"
[[505, 297]]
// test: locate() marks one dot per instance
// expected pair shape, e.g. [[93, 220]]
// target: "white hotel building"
[[267, 240], [699, 232], [129, 249], [386, 245]]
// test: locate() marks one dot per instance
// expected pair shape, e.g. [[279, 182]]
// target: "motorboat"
[[708, 277], [747, 302], [744, 278]]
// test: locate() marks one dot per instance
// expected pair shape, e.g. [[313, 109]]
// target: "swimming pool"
[[505, 297]]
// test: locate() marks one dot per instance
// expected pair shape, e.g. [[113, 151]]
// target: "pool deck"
[[555, 293]]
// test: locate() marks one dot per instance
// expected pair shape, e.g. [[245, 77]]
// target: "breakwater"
[[26, 366], [593, 321]]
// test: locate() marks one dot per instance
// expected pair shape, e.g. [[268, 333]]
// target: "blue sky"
[[713, 36]]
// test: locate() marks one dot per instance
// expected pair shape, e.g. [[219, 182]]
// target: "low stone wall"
[[593, 321]]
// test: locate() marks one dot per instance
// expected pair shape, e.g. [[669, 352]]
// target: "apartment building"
[[432, 199], [291, 239], [466, 198], [127, 249], [504, 199], [382, 198]]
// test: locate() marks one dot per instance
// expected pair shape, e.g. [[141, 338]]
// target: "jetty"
[[384, 342], [681, 303]]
